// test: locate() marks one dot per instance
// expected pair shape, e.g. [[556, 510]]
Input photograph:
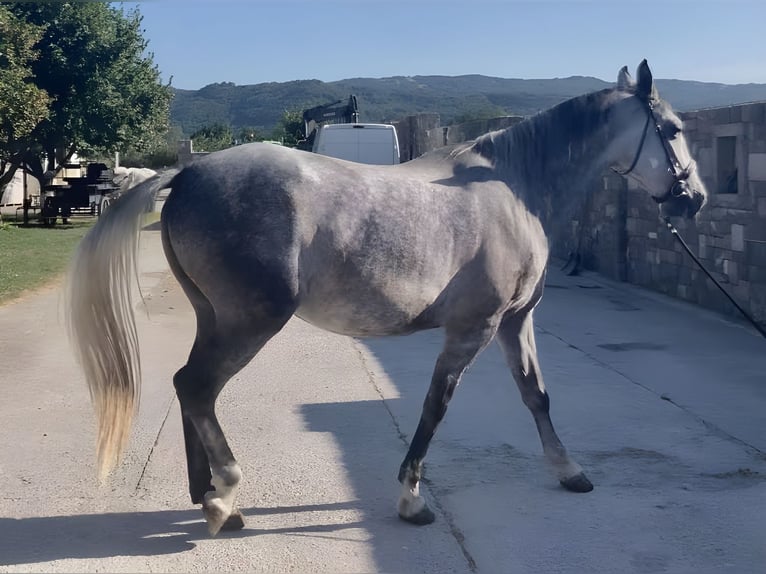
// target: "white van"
[[363, 143]]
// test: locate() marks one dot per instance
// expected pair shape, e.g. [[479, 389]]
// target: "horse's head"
[[648, 145]]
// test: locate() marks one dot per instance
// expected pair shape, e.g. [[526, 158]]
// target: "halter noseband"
[[674, 166]]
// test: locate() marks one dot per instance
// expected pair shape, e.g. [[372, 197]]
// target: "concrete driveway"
[[663, 404]]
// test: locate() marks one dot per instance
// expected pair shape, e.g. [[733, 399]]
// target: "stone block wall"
[[598, 234], [417, 135], [729, 234], [422, 133]]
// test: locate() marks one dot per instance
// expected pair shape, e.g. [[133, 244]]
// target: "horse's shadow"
[[49, 538]]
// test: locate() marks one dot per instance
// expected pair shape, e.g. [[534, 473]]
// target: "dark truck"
[[89, 193]]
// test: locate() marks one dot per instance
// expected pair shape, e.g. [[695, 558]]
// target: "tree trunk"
[[5, 178]]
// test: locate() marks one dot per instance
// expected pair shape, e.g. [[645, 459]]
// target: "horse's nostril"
[[678, 189]]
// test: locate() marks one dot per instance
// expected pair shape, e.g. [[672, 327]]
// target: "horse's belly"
[[361, 314]]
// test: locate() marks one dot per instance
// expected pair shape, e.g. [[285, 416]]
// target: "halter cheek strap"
[[638, 151]]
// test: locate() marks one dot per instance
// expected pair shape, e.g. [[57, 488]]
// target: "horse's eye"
[[671, 131]]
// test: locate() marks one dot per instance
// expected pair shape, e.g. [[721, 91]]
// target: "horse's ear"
[[645, 87], [624, 79]]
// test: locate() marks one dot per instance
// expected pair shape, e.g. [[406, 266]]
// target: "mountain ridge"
[[453, 97]]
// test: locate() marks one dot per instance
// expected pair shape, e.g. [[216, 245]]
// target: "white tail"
[[100, 317]]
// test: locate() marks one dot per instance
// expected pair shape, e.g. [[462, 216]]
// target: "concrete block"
[[669, 256], [730, 270], [705, 163], [762, 206], [756, 166], [737, 237], [754, 113], [757, 274], [721, 242], [756, 132], [755, 253], [722, 115], [755, 229], [758, 188], [758, 303], [708, 181], [667, 274], [685, 276], [741, 294]]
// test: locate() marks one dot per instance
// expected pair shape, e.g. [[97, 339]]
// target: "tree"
[[163, 155], [212, 138], [247, 135], [290, 128], [478, 112], [105, 93], [22, 104]]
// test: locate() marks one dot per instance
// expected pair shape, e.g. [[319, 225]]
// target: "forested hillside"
[[455, 98]]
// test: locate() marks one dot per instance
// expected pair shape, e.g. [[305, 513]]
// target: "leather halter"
[[680, 174]]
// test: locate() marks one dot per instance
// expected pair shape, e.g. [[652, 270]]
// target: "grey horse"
[[455, 239]]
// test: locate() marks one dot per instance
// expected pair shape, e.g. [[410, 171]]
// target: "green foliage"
[[105, 93], [388, 99], [156, 159], [289, 130], [163, 155], [248, 134], [22, 104], [212, 138], [481, 111], [380, 100]]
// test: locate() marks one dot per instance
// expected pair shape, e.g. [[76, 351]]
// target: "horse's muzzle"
[[682, 201]]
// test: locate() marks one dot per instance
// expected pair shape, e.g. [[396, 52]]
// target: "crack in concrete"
[[456, 533], [156, 442], [707, 424]]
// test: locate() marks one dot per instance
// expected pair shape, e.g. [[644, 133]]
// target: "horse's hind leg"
[[459, 351], [517, 339], [221, 349], [197, 463]]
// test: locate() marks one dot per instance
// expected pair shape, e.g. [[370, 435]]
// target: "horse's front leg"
[[516, 336], [460, 349]]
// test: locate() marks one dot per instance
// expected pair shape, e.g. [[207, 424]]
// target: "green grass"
[[33, 257]]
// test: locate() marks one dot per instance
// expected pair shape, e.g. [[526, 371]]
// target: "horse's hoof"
[[235, 522], [577, 483], [422, 517], [215, 516]]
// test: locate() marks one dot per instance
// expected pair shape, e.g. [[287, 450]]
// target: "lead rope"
[[674, 231]]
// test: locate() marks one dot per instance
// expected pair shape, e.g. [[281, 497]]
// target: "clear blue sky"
[[252, 41]]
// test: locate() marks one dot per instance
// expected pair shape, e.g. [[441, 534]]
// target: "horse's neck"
[[550, 159]]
